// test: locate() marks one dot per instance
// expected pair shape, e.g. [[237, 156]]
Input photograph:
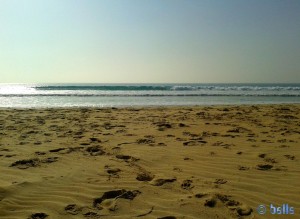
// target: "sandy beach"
[[172, 162]]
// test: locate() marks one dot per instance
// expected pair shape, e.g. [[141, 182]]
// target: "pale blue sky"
[[149, 41]]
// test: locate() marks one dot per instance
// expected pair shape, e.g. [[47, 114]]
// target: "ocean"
[[126, 95]]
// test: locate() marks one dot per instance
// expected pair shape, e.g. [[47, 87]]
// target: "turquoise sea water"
[[114, 95]]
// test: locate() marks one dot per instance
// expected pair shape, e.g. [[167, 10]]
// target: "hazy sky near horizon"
[[149, 41]]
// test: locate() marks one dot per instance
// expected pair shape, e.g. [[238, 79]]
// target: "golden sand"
[[181, 162]]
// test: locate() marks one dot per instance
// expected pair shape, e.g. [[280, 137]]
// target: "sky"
[[149, 41]]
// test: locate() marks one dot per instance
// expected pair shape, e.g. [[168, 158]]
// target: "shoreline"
[[216, 161], [152, 106]]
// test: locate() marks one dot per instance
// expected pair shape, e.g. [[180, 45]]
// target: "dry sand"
[[174, 162]]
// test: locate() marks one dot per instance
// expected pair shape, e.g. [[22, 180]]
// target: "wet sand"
[[172, 162]]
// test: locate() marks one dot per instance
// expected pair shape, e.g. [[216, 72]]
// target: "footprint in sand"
[[24, 164], [95, 151], [91, 214], [210, 202], [264, 166], [243, 168], [49, 160], [113, 171], [177, 169], [126, 157], [182, 125], [123, 157], [270, 160], [72, 209], [57, 150], [244, 210], [194, 143], [144, 176], [187, 184], [10, 155], [163, 126], [290, 157], [110, 204], [187, 158], [262, 155], [145, 141], [238, 208], [116, 150], [220, 181], [38, 216], [40, 153], [161, 181], [170, 136], [108, 199], [200, 195], [212, 153], [95, 140]]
